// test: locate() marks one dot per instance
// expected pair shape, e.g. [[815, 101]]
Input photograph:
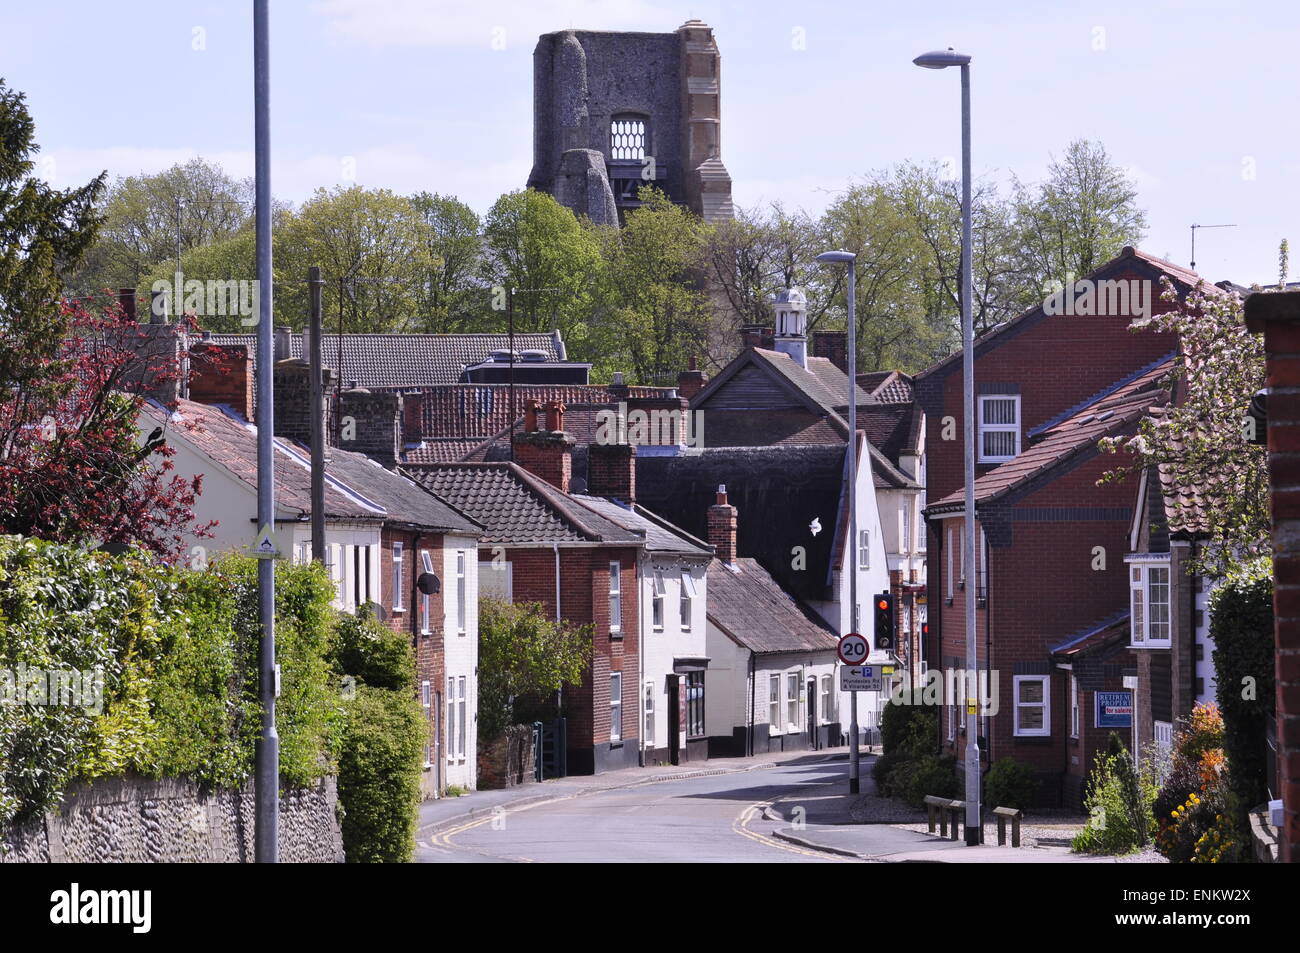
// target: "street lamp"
[[849, 258], [941, 59]]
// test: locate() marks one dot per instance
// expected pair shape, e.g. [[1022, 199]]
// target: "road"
[[698, 820]]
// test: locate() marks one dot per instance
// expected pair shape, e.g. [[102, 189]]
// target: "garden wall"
[[135, 820]]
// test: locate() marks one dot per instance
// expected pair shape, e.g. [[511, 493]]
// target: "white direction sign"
[[854, 649], [861, 678]]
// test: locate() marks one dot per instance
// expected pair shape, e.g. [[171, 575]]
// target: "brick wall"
[[1277, 315]]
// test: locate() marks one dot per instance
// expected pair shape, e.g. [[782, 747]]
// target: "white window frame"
[[905, 526], [426, 600], [792, 712], [1045, 704], [864, 549], [462, 598], [649, 714], [984, 428], [615, 707], [615, 597], [451, 717], [1074, 706], [951, 710], [464, 718], [1141, 624], [426, 702], [686, 604], [657, 592], [826, 699], [774, 703], [399, 576]]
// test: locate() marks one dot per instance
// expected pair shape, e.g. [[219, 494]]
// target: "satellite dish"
[[428, 584]]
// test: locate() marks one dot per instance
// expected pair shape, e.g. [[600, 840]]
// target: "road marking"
[[740, 826]]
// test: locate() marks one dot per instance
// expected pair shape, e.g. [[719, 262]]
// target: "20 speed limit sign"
[[854, 649]]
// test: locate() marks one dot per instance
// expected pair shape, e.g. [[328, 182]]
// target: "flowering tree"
[[72, 466], [1202, 441]]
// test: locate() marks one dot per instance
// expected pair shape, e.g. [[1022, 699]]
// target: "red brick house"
[[1052, 582]]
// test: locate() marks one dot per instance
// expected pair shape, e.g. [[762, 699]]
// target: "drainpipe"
[[753, 688], [555, 547]]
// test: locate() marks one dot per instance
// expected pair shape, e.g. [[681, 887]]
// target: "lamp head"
[[938, 59], [836, 257]]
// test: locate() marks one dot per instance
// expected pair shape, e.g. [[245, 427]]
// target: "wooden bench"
[[945, 810], [1003, 814]]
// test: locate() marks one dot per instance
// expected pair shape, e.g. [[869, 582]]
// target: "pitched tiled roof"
[[822, 382], [892, 428], [888, 387], [404, 360], [355, 487], [1111, 414], [483, 410], [516, 507], [751, 608], [660, 536]]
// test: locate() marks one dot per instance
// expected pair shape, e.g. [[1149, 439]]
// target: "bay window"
[[1149, 620]]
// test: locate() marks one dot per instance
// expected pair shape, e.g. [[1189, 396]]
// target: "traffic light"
[[884, 611]]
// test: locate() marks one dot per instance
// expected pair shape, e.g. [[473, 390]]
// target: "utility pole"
[[315, 283], [268, 745]]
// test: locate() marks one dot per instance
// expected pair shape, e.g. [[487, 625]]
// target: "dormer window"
[[1149, 619], [999, 427]]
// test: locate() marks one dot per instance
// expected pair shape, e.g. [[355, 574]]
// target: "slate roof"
[[778, 492], [660, 536], [356, 488], [404, 360], [751, 609], [516, 507], [1079, 433]]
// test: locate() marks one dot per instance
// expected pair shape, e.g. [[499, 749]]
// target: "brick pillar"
[[722, 527], [1277, 315]]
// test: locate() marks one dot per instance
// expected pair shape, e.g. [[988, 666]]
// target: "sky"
[[1195, 99]]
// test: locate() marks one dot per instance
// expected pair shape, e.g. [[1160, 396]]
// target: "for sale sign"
[[1114, 710]]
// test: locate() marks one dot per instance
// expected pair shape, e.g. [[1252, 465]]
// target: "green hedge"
[[177, 650], [909, 730], [1010, 783], [1241, 624]]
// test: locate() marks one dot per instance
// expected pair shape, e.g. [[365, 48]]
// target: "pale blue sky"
[[1197, 98]]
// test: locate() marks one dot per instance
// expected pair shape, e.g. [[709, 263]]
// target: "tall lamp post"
[[849, 258], [941, 59]]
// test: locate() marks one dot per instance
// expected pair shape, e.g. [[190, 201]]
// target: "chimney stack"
[[756, 335], [283, 347], [617, 389], [126, 300], [834, 346], [376, 425], [222, 374], [691, 382], [158, 306], [547, 452], [292, 380], [611, 471], [722, 527]]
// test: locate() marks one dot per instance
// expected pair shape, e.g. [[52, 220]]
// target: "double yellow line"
[[740, 826]]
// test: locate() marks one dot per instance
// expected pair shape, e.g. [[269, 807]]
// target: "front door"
[[813, 741], [674, 720]]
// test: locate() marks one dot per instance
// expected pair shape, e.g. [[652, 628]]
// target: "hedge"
[[177, 653], [1241, 624]]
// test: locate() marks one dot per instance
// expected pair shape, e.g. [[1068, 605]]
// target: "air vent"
[[503, 356], [533, 357]]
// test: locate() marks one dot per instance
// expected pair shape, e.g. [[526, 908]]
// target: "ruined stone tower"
[[615, 111]]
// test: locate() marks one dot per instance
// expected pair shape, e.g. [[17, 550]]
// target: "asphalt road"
[[715, 819]]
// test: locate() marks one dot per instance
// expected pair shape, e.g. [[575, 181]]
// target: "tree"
[[549, 261], [524, 658], [44, 233], [656, 311], [1200, 441], [367, 245], [148, 217], [449, 295], [1079, 218]]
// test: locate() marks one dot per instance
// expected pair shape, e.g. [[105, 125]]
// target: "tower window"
[[627, 139]]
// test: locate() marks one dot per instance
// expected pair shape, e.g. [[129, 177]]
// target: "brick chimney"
[[126, 300], [617, 389], [665, 418], [691, 382], [222, 374], [757, 335], [834, 346], [722, 527], [292, 379], [375, 424], [547, 454], [413, 416], [611, 471]]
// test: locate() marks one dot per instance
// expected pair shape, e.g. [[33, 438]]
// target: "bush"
[[909, 730], [176, 655], [1197, 813], [1118, 822], [1010, 783], [1241, 623], [882, 772], [379, 775], [928, 775], [371, 652]]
